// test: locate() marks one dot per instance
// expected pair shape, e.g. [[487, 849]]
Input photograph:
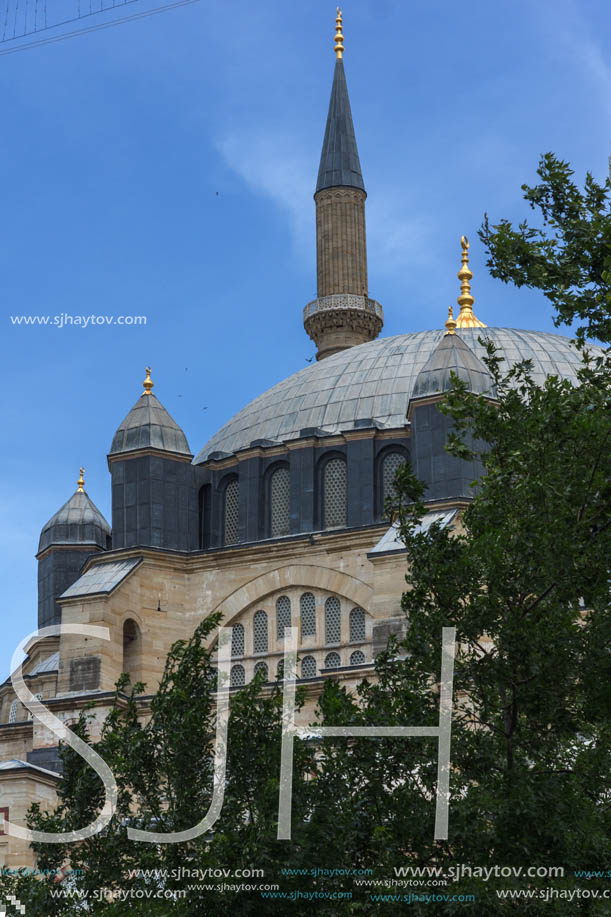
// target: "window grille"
[[308, 667], [262, 667], [237, 676], [280, 505], [283, 615], [237, 640], [335, 480], [357, 625], [231, 527], [260, 632], [332, 661], [392, 462], [357, 658], [280, 670], [12, 716], [332, 620], [308, 615], [38, 697]]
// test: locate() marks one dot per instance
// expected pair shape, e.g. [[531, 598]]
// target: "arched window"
[[238, 677], [231, 512], [391, 463], [237, 640], [12, 716], [262, 667], [280, 670], [357, 625], [357, 658], [308, 667], [334, 494], [283, 615], [260, 632], [279, 497], [38, 697], [308, 615], [333, 626], [332, 661], [132, 649]]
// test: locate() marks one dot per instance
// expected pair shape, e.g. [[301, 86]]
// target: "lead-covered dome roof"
[[149, 426], [375, 381], [77, 522]]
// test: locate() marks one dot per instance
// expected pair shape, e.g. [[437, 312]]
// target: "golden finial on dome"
[[466, 318], [148, 382], [339, 35], [81, 482], [451, 322]]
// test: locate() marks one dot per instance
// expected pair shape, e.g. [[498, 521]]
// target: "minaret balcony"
[[342, 302]]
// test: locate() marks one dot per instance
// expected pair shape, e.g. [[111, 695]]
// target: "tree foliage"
[[524, 578]]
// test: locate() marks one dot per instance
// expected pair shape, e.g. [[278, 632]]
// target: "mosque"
[[279, 517]]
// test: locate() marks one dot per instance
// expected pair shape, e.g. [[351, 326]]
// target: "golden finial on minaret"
[[451, 322], [466, 318], [339, 35], [81, 482], [148, 382]]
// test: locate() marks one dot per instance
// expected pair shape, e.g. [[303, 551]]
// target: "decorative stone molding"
[[342, 320], [343, 301]]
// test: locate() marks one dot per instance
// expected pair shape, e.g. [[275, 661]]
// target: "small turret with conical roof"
[[149, 426], [76, 530], [447, 477], [343, 314], [152, 487]]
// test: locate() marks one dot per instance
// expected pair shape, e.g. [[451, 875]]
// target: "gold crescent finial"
[[466, 318], [81, 482], [451, 322], [339, 35], [148, 382]]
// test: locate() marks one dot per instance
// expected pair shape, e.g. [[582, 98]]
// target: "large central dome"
[[375, 381]]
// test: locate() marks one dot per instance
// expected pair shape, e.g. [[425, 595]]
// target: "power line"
[[95, 28]]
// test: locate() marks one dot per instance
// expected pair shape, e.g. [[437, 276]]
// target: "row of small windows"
[[307, 604], [308, 667], [14, 709], [333, 503]]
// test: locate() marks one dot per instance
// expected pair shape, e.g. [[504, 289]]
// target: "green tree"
[[567, 257], [525, 581]]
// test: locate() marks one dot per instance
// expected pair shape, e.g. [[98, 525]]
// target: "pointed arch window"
[[12, 716], [38, 697], [333, 625], [335, 494], [391, 463], [307, 607], [237, 640], [279, 500], [260, 632], [357, 625], [262, 667], [283, 615], [231, 512]]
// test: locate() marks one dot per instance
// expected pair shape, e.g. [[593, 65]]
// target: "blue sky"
[[166, 167]]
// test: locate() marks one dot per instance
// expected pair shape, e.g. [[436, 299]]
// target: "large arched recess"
[[295, 575]]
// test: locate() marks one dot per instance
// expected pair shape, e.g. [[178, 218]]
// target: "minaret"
[[342, 315]]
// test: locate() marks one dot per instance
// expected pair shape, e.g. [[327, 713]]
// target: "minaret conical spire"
[[343, 315], [339, 160]]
